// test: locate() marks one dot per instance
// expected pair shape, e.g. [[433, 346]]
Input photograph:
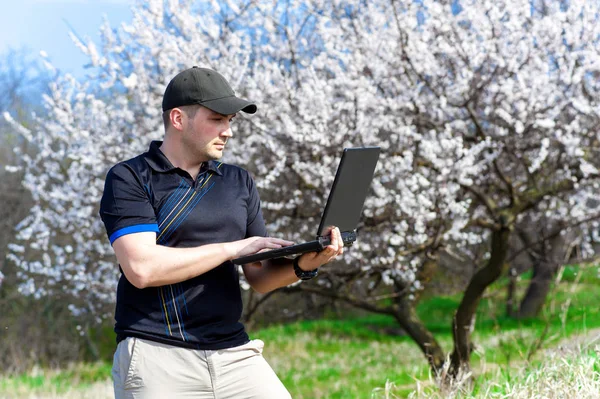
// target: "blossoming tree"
[[486, 112]]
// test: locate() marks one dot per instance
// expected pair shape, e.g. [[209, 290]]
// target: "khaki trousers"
[[146, 369]]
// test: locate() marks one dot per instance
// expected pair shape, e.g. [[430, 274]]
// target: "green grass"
[[349, 358], [565, 373], [80, 376]]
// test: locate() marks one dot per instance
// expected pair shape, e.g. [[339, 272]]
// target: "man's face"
[[206, 134]]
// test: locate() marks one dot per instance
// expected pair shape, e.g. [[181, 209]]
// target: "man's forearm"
[[270, 274], [146, 264], [156, 265]]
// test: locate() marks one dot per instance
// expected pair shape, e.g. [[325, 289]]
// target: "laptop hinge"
[[347, 236]]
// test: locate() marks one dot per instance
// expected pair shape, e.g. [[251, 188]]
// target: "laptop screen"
[[349, 189]]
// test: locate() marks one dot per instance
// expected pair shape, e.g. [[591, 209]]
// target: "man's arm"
[[271, 274], [146, 264]]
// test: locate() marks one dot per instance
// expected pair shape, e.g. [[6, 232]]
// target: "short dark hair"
[[190, 111]]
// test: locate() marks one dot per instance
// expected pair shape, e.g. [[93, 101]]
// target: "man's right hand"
[[253, 245]]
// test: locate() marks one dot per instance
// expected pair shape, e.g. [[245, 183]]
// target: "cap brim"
[[230, 105]]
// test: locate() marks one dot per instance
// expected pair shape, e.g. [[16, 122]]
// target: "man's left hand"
[[312, 260]]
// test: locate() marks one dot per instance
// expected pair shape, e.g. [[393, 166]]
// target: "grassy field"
[[358, 358]]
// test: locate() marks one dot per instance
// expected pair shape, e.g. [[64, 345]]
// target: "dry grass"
[[569, 370], [347, 359], [572, 370], [98, 390], [81, 381]]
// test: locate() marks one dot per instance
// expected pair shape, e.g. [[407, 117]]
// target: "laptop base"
[[348, 237]]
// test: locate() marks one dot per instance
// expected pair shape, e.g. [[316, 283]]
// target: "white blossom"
[[457, 102]]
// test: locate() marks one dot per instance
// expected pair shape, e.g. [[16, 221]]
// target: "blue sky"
[[45, 24]]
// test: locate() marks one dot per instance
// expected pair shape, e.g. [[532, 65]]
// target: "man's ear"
[[176, 116]]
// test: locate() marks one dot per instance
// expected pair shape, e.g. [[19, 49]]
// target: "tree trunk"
[[424, 275], [539, 286], [408, 319], [402, 309], [91, 344], [254, 302], [464, 319], [510, 293]]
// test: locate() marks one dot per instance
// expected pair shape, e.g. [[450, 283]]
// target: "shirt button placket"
[[199, 180]]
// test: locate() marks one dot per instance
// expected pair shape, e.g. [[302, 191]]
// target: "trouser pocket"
[[124, 364]]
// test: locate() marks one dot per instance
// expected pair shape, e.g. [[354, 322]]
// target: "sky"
[[44, 25]]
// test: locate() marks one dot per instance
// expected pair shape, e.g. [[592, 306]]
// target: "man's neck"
[[177, 155]]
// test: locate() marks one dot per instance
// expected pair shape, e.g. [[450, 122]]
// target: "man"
[[176, 217]]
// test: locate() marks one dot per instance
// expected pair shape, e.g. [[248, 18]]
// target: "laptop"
[[343, 208]]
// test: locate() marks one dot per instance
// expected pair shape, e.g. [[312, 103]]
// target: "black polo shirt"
[[147, 193]]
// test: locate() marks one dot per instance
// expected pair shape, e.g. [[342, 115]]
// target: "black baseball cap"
[[207, 88]]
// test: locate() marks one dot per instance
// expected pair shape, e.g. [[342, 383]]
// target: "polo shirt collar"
[[213, 166], [160, 163]]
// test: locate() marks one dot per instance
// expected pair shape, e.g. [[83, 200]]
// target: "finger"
[[341, 243], [333, 252], [265, 250], [271, 245], [340, 240], [337, 236], [281, 242], [333, 244], [328, 252]]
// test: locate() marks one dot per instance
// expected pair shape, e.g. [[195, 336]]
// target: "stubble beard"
[[212, 154], [205, 153]]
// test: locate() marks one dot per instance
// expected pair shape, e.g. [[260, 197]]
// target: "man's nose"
[[227, 133]]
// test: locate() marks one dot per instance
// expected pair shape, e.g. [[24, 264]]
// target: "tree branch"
[[346, 298]]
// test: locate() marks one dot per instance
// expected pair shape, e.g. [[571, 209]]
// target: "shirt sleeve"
[[256, 223], [125, 207]]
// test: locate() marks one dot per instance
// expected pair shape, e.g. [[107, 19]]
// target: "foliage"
[[351, 358], [487, 114]]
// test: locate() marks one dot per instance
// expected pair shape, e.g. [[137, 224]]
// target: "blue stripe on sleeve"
[[138, 228]]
